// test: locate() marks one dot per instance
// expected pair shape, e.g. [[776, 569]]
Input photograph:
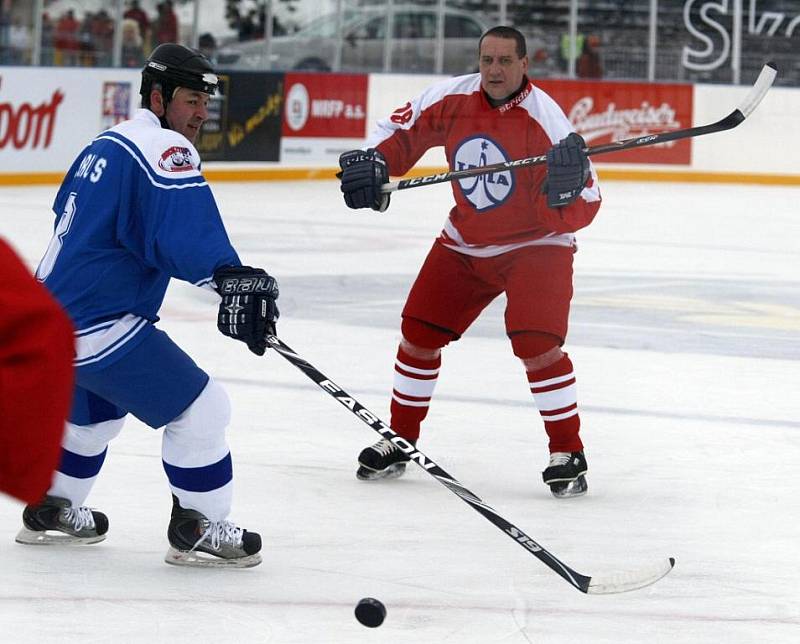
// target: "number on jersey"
[[54, 247]]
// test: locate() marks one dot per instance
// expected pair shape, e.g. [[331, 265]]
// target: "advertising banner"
[[116, 103], [325, 105], [602, 112], [244, 119], [211, 142], [46, 118], [324, 115]]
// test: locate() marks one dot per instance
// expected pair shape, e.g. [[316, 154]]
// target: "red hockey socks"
[[556, 397], [414, 381]]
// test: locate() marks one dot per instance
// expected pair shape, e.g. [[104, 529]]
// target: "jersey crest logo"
[[176, 159], [486, 191], [402, 115]]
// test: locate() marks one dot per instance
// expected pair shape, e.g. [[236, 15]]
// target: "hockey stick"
[[616, 583], [753, 98]]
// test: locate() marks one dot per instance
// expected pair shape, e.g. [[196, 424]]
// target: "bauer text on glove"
[[248, 311]]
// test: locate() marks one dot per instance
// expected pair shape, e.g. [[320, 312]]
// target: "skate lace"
[[79, 518], [559, 458], [219, 532], [384, 447]]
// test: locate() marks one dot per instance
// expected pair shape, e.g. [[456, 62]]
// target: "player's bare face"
[[501, 68], [187, 111]]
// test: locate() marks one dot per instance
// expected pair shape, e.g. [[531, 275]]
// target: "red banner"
[[603, 112], [325, 105]]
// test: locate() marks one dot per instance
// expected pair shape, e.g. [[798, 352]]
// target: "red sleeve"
[[568, 219], [36, 379], [404, 147], [413, 128]]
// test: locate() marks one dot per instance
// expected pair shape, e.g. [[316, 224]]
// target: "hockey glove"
[[363, 173], [567, 171], [248, 311]]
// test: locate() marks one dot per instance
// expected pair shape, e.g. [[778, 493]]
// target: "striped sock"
[[555, 394], [414, 382]]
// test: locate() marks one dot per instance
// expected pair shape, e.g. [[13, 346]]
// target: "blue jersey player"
[[132, 212]]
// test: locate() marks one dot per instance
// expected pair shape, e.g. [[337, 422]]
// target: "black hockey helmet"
[[173, 66]]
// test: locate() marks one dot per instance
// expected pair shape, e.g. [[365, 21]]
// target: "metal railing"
[[655, 40]]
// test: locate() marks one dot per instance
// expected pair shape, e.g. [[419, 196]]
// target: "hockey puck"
[[370, 612]]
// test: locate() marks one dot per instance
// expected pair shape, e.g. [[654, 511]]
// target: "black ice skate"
[[565, 474], [55, 522], [196, 541], [383, 460]]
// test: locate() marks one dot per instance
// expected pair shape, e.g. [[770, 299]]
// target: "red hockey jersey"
[[497, 212]]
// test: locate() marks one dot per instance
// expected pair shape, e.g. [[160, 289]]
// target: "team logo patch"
[[487, 190], [402, 115], [176, 159]]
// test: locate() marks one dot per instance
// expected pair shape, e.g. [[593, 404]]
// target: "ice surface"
[[685, 334]]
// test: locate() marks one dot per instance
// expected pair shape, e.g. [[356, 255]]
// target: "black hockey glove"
[[567, 171], [248, 311], [363, 173]]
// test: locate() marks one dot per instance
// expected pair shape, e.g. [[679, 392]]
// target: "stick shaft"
[[581, 582], [615, 583], [759, 89]]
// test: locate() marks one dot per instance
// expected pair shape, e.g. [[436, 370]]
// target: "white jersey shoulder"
[[547, 113], [405, 116], [166, 153], [466, 85]]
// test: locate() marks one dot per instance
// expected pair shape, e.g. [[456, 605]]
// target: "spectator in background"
[[5, 26], [132, 49], [542, 64], [207, 45], [589, 65], [48, 29], [102, 34], [135, 12], [566, 51], [166, 24], [19, 42], [66, 39], [86, 56]]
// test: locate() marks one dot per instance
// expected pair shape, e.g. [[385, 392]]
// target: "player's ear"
[[157, 102]]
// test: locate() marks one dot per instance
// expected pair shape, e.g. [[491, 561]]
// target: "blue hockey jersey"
[[132, 212]]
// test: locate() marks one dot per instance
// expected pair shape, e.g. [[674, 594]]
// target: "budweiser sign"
[[605, 112], [618, 124], [26, 125]]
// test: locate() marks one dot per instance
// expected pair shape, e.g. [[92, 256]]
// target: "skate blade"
[[197, 559], [54, 538], [392, 472], [569, 489]]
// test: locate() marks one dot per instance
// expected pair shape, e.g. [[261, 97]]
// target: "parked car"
[[413, 46]]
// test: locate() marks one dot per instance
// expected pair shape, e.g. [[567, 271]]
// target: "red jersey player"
[[509, 232], [36, 350]]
